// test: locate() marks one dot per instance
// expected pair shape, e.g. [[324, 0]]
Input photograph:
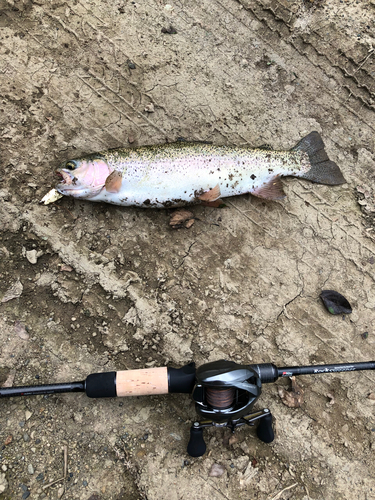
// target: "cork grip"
[[142, 382]]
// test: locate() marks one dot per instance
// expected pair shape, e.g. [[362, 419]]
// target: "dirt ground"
[[98, 288]]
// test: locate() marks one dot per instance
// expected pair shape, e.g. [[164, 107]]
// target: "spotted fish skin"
[[180, 174]]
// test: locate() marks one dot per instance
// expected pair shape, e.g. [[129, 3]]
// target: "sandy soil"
[[99, 288]]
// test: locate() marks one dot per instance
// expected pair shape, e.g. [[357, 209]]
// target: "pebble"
[[28, 414], [60, 492], [26, 495], [216, 470], [3, 483], [31, 256], [85, 483], [30, 469], [40, 477], [26, 437], [175, 436]]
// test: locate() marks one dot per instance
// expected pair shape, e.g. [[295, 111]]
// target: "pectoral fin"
[[273, 190], [113, 182], [211, 195]]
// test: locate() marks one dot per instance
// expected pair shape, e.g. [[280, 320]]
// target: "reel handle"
[[264, 430], [196, 446]]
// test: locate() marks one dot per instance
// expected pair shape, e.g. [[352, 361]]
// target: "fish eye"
[[70, 165]]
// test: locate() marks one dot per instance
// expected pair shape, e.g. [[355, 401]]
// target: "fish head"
[[82, 178]]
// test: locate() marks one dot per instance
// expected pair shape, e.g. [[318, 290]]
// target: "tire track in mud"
[[276, 29], [113, 70], [318, 51]]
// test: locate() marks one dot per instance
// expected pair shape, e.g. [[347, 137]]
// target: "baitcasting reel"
[[224, 392]]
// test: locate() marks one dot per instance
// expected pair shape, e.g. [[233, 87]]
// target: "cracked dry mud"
[[116, 288]]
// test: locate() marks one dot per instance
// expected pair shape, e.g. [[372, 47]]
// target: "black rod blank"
[[321, 369], [34, 390]]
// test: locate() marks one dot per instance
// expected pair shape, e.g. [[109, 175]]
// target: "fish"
[[186, 173]]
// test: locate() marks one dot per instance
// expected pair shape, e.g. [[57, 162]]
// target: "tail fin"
[[323, 170]]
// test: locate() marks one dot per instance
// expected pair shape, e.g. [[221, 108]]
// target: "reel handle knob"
[[196, 446], [265, 431]]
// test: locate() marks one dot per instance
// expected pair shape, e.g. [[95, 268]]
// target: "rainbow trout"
[[180, 174]]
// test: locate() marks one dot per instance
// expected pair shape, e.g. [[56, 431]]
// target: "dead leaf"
[[292, 398], [216, 470], [8, 440], [180, 218], [20, 330], [335, 302], [10, 379], [232, 440]]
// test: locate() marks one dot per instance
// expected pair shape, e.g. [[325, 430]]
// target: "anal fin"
[[273, 190]]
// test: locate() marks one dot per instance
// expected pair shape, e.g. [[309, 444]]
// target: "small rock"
[[216, 470], [40, 477], [131, 139], [28, 415], [26, 495], [4, 467], [331, 398], [150, 108], [20, 330], [130, 64], [3, 483], [168, 7], [13, 292], [66, 268], [85, 483], [31, 256], [26, 437], [30, 469], [170, 31], [175, 436], [60, 492], [371, 396]]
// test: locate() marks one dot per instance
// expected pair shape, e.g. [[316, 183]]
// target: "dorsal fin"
[[273, 190]]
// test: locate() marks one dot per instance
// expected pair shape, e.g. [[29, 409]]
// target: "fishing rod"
[[224, 391]]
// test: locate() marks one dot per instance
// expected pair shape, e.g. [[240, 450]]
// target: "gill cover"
[[83, 178]]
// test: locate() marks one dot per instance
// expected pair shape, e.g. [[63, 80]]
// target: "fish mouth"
[[64, 177]]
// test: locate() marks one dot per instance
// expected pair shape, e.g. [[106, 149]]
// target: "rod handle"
[[127, 383]]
